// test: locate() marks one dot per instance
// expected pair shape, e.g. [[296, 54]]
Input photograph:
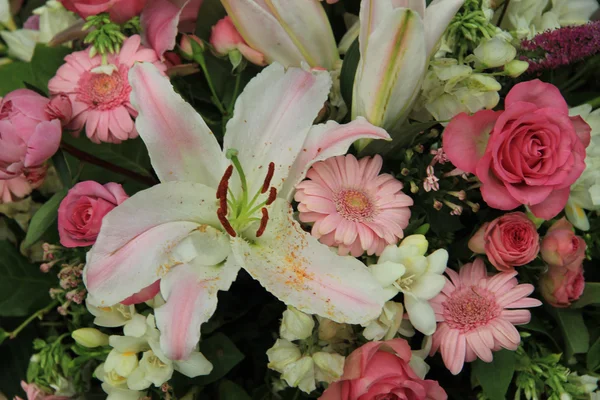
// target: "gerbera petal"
[[481, 349], [516, 317]]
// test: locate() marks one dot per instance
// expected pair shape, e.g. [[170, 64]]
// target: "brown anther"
[[224, 184], [223, 203], [263, 222], [268, 178], [222, 215], [272, 196]]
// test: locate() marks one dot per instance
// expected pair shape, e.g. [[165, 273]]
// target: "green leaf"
[[15, 75], [23, 287], [229, 390], [590, 295], [62, 168], [3, 335], [575, 333], [45, 62], [495, 377], [593, 356], [348, 72], [44, 218], [536, 324], [210, 13], [223, 355], [15, 355]]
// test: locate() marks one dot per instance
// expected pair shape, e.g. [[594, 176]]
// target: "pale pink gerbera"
[[352, 206], [477, 314], [100, 94]]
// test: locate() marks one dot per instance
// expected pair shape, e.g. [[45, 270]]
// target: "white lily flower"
[[289, 32], [21, 43], [201, 225], [296, 325], [406, 269], [397, 39]]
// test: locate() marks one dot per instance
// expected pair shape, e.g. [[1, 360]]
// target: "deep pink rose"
[[562, 247], [380, 370], [80, 213], [120, 11], [28, 134], [225, 38], [528, 154], [560, 285], [508, 241]]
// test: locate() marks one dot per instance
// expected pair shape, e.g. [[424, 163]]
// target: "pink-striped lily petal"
[[261, 30], [138, 241], [306, 274], [181, 146], [272, 118], [372, 13], [438, 15], [159, 22], [325, 141]]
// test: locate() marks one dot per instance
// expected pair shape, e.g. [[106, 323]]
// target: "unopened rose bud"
[[90, 337], [495, 52], [60, 108], [226, 39], [329, 366], [190, 45], [296, 325], [515, 68]]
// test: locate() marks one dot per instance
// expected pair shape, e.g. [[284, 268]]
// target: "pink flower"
[[353, 207], [80, 214], [529, 154], [33, 392], [147, 293], [508, 241], [120, 11], [381, 370], [60, 108], [561, 247], [225, 38], [14, 189], [100, 95], [28, 135], [477, 314], [560, 285]]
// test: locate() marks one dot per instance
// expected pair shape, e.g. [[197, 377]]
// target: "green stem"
[[240, 171], [37, 314], [236, 89], [595, 103], [200, 60]]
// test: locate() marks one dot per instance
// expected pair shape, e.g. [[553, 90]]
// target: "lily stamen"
[[268, 178], [263, 222]]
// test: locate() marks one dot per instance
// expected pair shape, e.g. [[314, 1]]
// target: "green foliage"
[[211, 12], [348, 73], [495, 377], [590, 295], [593, 356], [229, 390], [106, 37], [43, 219], [574, 331], [15, 355], [23, 287], [223, 355]]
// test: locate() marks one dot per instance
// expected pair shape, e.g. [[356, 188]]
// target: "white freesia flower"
[[296, 325], [115, 386], [406, 269], [585, 192], [387, 325], [111, 317], [90, 337]]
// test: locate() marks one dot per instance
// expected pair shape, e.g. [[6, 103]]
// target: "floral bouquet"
[[296, 199]]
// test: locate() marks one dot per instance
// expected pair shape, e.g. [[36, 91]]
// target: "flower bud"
[[90, 337], [296, 325], [60, 108], [561, 286], [418, 241], [281, 354], [301, 374], [561, 247], [329, 366], [495, 52], [190, 45], [226, 39], [516, 68]]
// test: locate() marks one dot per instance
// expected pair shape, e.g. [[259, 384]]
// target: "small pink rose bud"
[[560, 285], [60, 108], [189, 49], [225, 39], [561, 247]]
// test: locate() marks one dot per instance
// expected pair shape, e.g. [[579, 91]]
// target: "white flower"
[[54, 18], [585, 192], [329, 367], [90, 337], [116, 386], [406, 269], [296, 325], [5, 15], [282, 354], [495, 52], [301, 374], [151, 370], [388, 323], [21, 43], [111, 317]]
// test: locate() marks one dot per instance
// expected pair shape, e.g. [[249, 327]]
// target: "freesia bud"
[[281, 354], [90, 337], [296, 325], [60, 108], [301, 374], [329, 366], [515, 68], [417, 241], [495, 52]]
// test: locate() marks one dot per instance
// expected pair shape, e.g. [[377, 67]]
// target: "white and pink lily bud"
[[396, 41], [289, 32], [227, 41]]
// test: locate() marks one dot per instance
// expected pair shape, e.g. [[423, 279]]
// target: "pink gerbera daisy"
[[477, 314], [99, 93], [352, 206]]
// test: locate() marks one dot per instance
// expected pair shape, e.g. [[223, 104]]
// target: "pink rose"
[[225, 38], [120, 11], [560, 285], [561, 247], [33, 392], [28, 135], [509, 241], [529, 154], [80, 213], [380, 370]]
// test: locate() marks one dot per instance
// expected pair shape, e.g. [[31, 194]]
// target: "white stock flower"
[[329, 367], [296, 325], [388, 323], [406, 269], [282, 354], [301, 374], [495, 52]]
